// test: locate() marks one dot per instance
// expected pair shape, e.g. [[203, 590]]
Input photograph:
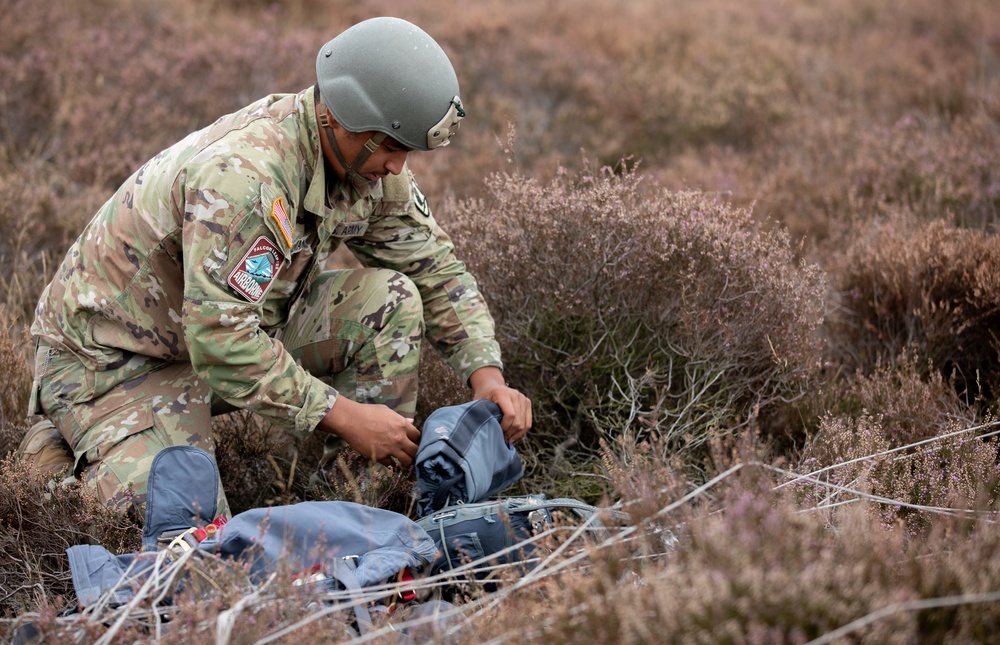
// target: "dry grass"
[[751, 556], [780, 146]]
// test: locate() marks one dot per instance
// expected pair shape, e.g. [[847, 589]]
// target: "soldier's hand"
[[375, 431], [488, 383]]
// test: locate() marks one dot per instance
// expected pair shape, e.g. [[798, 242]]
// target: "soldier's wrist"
[[338, 420]]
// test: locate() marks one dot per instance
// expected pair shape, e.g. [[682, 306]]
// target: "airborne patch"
[[281, 217], [256, 271]]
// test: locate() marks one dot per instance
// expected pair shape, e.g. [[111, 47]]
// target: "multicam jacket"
[[201, 253]]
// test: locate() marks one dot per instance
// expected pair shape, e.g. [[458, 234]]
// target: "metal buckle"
[[181, 541], [537, 520], [441, 517]]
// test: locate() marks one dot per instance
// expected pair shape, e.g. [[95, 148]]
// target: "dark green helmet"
[[387, 75]]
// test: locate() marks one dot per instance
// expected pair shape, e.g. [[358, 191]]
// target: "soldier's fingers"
[[517, 436], [509, 411], [519, 421], [404, 458], [407, 446]]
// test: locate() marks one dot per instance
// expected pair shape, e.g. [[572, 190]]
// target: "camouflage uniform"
[[201, 281]]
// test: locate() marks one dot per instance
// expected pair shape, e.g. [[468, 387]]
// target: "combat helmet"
[[387, 75]]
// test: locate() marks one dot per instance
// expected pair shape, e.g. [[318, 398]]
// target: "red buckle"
[[305, 574], [209, 530], [406, 595]]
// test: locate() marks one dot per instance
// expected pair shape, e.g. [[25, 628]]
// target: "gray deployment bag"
[[345, 545], [463, 456], [463, 462], [482, 537]]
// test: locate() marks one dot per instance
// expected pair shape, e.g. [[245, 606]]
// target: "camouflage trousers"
[[359, 329]]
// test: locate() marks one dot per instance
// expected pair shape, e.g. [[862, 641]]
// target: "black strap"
[[444, 491]]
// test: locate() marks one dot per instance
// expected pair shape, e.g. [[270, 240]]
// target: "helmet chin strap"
[[351, 169]]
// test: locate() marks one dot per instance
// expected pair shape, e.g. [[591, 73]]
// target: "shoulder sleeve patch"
[[419, 200], [256, 270]]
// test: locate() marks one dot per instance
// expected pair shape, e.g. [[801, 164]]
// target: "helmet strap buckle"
[[350, 169]]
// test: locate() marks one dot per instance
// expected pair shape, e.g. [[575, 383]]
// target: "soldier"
[[200, 287]]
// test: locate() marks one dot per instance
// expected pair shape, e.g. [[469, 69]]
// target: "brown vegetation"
[[742, 255]]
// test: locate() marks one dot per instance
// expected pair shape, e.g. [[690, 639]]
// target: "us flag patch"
[[256, 271], [281, 217]]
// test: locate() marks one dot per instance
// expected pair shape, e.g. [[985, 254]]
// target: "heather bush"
[[934, 168], [203, 597], [752, 563], [39, 520], [262, 465], [16, 367], [627, 311], [548, 82], [40, 212], [711, 77], [856, 115], [913, 400], [930, 288], [641, 321], [198, 78], [439, 385], [29, 103], [755, 565], [258, 463], [903, 433], [951, 469], [826, 181]]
